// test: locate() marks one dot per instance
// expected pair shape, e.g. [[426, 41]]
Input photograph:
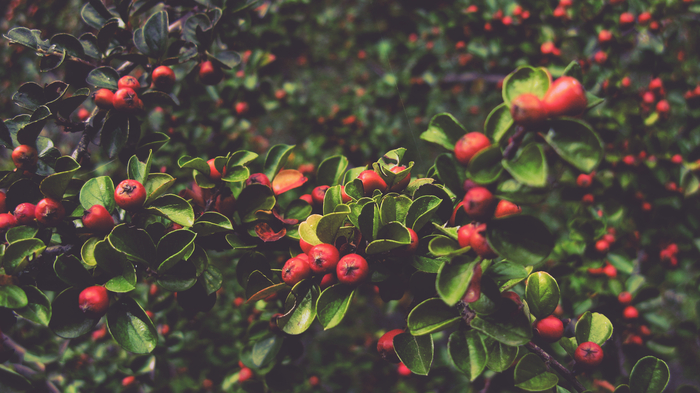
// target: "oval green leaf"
[[531, 374], [649, 375], [542, 294], [431, 316], [521, 239], [333, 303], [131, 328], [416, 352]]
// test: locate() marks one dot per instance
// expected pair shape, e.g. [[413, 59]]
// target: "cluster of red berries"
[[48, 212], [650, 96], [603, 244], [124, 99], [668, 255], [565, 97], [324, 261]]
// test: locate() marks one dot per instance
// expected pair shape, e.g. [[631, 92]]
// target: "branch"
[[563, 371]]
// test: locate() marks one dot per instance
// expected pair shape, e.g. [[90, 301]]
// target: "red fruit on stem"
[[610, 238], [103, 98], [527, 109], [584, 181], [83, 114], [307, 198], [163, 78], [129, 82], [295, 270], [604, 36], [408, 249], [327, 280], [565, 97], [210, 73], [473, 292], [130, 195], [214, 173], [602, 246], [25, 213], [94, 301], [656, 84], [98, 219], [258, 178], [644, 18], [588, 199], [305, 247], [588, 355], [625, 298], [480, 245], [403, 371], [506, 208], [663, 107], [547, 48], [314, 381], [372, 181], [550, 329], [630, 312], [3, 205], [464, 235], [479, 203], [25, 157], [352, 269], [470, 144], [677, 159], [318, 194], [245, 374], [324, 258], [7, 221], [385, 346], [128, 381], [49, 212], [401, 184], [626, 18], [344, 195], [610, 271], [126, 100]]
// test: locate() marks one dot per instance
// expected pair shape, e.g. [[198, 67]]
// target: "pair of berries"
[[324, 260], [565, 97]]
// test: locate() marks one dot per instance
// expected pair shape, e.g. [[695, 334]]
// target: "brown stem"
[[563, 371], [514, 142]]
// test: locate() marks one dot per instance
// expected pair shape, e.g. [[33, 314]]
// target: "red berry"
[[327, 280], [313, 381], [550, 329], [25, 157], [129, 82], [479, 203], [663, 107], [400, 185], [318, 194], [480, 245], [656, 84], [626, 18], [547, 47], [403, 370], [588, 199], [7, 221], [258, 178], [130, 195], [3, 205], [527, 109], [163, 78], [214, 173], [126, 100], [83, 114], [610, 271], [473, 292], [94, 301], [307, 198], [245, 374], [604, 36], [644, 18], [372, 181], [408, 249], [630, 312], [98, 219], [305, 247], [344, 195], [103, 98], [241, 107], [225, 205], [210, 73], [625, 298], [128, 381], [49, 212], [626, 82], [602, 246], [25, 213], [324, 258], [464, 235], [506, 208], [600, 57], [470, 144], [565, 97], [295, 270], [588, 355], [677, 159], [584, 181], [385, 346], [352, 269]]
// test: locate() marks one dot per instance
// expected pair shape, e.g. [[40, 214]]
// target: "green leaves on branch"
[[531, 374], [416, 352], [542, 294]]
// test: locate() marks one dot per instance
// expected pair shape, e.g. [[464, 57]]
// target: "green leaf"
[[137, 170], [331, 170], [649, 375], [486, 165], [173, 247], [389, 237], [134, 242], [299, 308], [28, 134], [155, 33], [521, 238], [253, 198], [468, 353], [569, 344], [416, 352], [450, 172], [122, 272], [131, 328], [276, 159], [307, 229], [531, 374], [67, 319], [29, 96], [332, 305], [194, 163], [593, 327], [156, 185], [17, 254], [38, 308], [54, 186], [432, 315], [525, 79], [576, 143], [211, 279], [98, 191], [514, 331], [500, 356], [421, 211], [529, 167], [505, 270], [22, 36], [265, 350], [542, 294], [69, 269], [328, 225], [12, 296], [19, 233], [173, 208], [444, 130], [115, 132], [574, 70], [227, 59], [180, 277], [453, 279], [499, 123], [210, 223], [368, 221], [103, 77], [621, 263]]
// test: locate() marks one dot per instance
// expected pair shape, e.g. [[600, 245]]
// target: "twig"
[[563, 371], [514, 142]]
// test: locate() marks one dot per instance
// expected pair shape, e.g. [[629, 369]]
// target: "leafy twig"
[[563, 371]]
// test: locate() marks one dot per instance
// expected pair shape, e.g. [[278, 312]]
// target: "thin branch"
[[563, 371]]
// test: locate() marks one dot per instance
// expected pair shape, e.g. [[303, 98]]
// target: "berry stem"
[[563, 371]]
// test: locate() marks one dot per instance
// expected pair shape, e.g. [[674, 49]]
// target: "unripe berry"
[[550, 329], [94, 301], [470, 144], [588, 355], [385, 346]]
